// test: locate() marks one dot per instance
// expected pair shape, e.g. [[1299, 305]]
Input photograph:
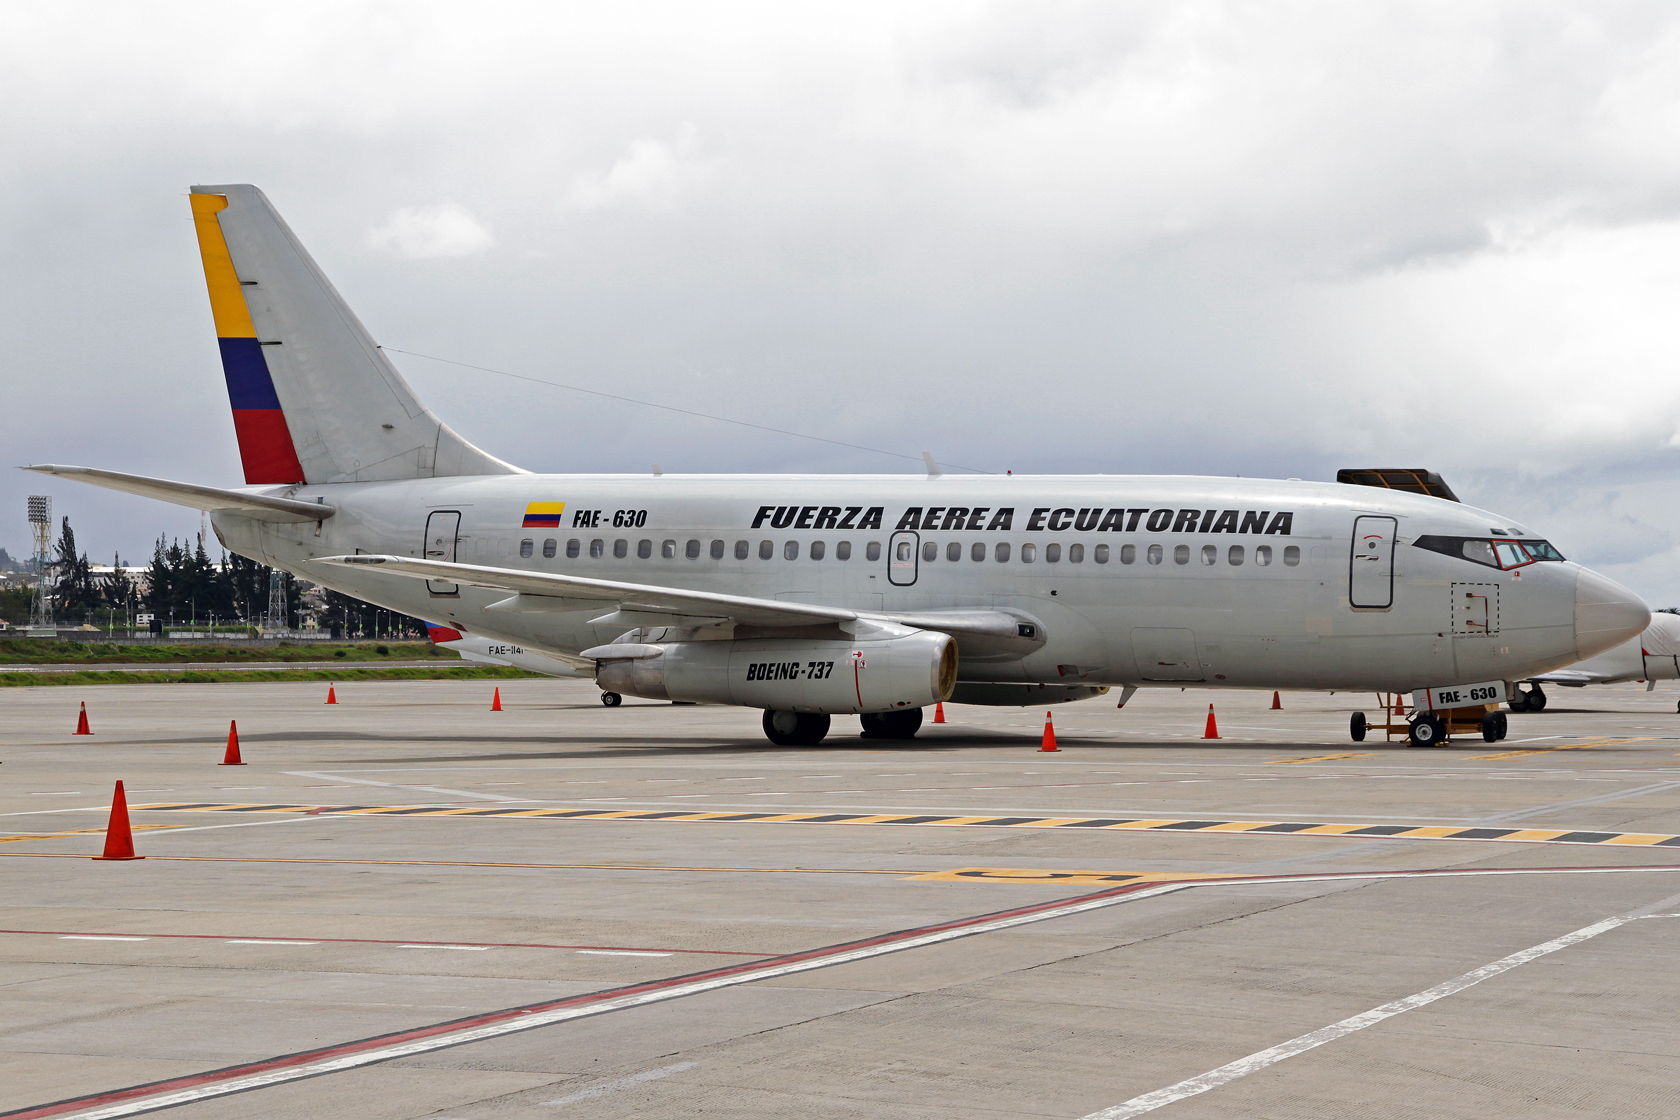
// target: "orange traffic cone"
[[81, 721], [119, 841], [496, 700], [332, 697], [1049, 735], [1212, 731], [1277, 705], [231, 758], [1399, 705], [939, 712]]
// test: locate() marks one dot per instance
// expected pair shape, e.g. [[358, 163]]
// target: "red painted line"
[[370, 941], [767, 966], [304, 1057]]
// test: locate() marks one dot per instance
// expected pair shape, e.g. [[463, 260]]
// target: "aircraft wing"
[[260, 507], [640, 604]]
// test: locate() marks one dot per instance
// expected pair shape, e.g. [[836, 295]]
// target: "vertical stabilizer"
[[314, 400]]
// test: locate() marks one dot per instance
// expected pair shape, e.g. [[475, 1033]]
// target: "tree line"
[[185, 586]]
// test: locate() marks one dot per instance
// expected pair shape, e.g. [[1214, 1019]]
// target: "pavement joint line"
[[64, 934], [1253, 1063], [963, 820], [285, 1068]]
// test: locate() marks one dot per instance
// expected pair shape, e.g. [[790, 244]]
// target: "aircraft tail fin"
[[314, 399]]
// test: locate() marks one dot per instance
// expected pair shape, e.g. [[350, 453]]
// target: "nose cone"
[[1606, 614]]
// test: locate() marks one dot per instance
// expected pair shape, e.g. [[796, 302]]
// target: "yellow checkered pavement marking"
[[1128, 824]]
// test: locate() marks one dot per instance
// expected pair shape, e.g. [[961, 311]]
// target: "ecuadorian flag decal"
[[543, 515]]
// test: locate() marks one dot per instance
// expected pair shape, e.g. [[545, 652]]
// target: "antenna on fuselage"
[[933, 467]]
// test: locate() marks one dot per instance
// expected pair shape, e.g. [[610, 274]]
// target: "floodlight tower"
[[40, 523], [276, 599]]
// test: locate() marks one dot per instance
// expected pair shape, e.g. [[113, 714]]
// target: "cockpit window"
[[1503, 554]]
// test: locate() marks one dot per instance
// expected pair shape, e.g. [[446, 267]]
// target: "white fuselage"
[[1179, 592]]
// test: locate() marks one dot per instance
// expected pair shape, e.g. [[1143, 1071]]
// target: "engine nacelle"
[[911, 669]]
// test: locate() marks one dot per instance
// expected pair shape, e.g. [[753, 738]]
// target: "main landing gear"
[[901, 724], [611, 699], [795, 729], [1534, 700]]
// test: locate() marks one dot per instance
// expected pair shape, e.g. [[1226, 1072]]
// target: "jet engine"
[[908, 669]]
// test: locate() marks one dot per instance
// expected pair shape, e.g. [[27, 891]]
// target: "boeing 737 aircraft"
[[1653, 656], [816, 595]]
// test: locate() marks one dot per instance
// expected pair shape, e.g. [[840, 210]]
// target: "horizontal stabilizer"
[[259, 507]]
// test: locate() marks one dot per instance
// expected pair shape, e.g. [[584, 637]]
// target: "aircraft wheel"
[[795, 729], [902, 724], [1518, 701], [1356, 727], [1536, 699], [1426, 731], [611, 699]]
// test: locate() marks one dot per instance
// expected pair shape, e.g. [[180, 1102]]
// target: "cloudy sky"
[[1224, 238]]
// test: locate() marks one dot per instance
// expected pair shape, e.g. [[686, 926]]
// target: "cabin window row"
[[1235, 555], [1209, 554]]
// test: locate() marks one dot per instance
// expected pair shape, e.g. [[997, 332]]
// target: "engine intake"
[[908, 670]]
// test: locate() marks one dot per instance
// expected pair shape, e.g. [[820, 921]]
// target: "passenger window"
[[872, 550], [1076, 554], [1155, 554], [977, 553], [790, 550], [1052, 553], [550, 547], [526, 547], [1291, 556], [1210, 554], [621, 549], [766, 549], [692, 550], [818, 549], [843, 550], [1263, 555], [930, 551], [572, 547], [1235, 556], [1100, 554], [741, 550], [668, 550], [1181, 554], [1001, 553], [903, 552], [1029, 553], [1128, 553], [597, 548], [953, 551], [644, 550], [717, 550]]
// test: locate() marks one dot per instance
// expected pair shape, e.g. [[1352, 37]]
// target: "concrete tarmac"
[[406, 905]]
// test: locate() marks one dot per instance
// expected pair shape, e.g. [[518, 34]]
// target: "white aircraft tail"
[[314, 400]]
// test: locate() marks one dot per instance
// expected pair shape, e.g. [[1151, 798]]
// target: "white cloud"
[[423, 232], [653, 173]]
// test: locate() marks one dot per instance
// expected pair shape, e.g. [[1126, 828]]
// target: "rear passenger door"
[[443, 529]]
